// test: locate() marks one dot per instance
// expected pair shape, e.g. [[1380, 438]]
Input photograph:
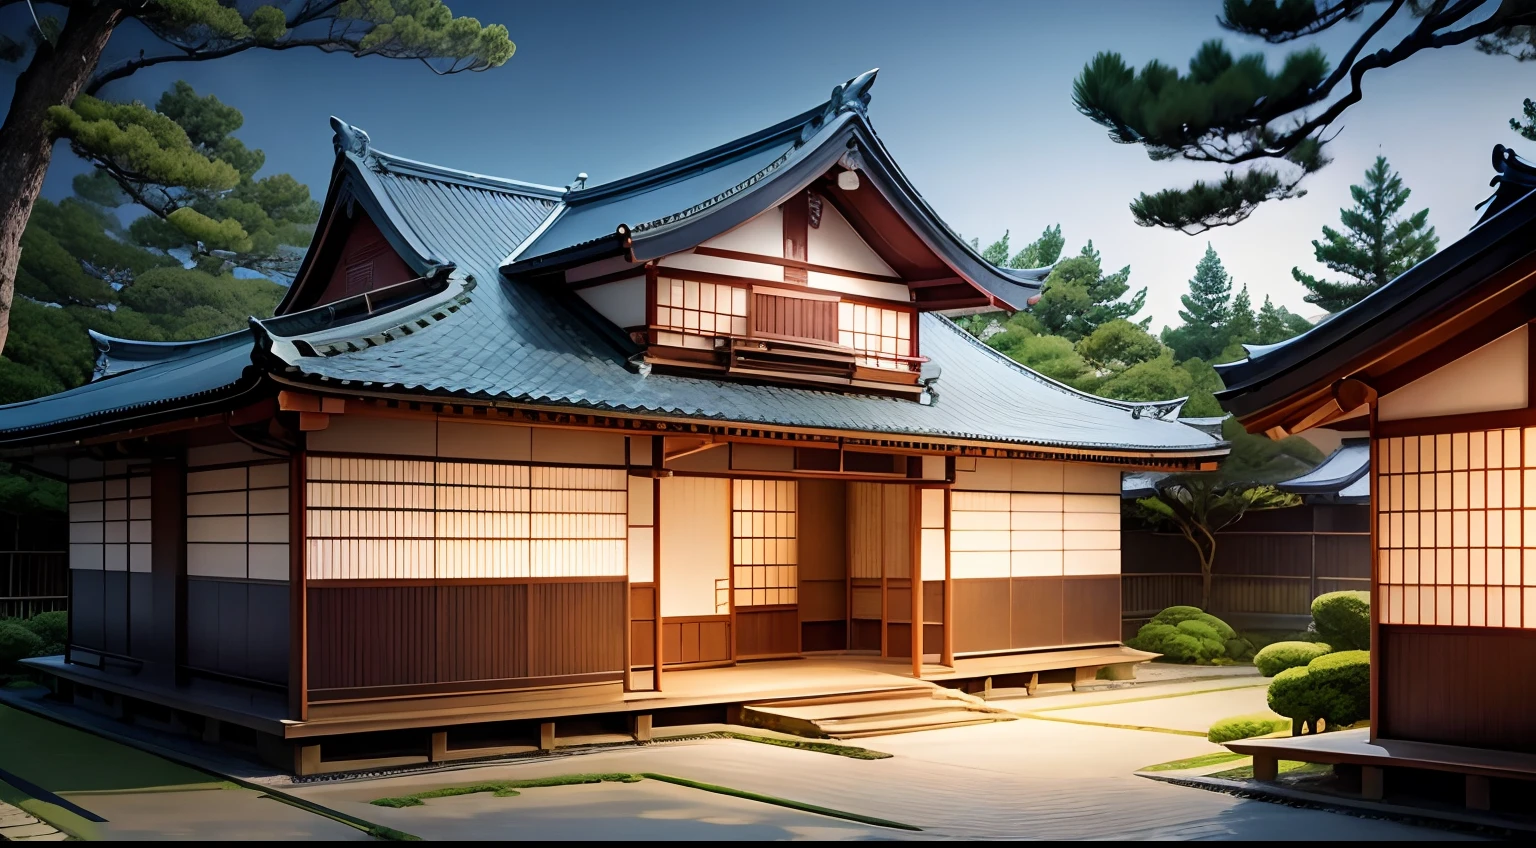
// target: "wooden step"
[[861, 715]]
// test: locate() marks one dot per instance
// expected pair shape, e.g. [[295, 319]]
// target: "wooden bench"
[[1479, 766]]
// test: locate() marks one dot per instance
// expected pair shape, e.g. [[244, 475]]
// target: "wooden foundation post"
[[547, 736], [1479, 792], [439, 746], [1266, 767], [1372, 783], [306, 760], [640, 726], [211, 731], [948, 651], [658, 655]]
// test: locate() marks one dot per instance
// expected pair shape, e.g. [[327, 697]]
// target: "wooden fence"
[[1270, 563], [34, 564]]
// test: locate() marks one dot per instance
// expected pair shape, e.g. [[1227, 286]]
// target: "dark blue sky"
[[973, 99]]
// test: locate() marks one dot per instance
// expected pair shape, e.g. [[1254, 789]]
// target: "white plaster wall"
[[719, 265], [763, 235], [1493, 377], [836, 245], [622, 302], [695, 543]]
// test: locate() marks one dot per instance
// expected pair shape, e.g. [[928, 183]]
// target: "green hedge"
[[1246, 727], [1279, 656], [16, 643], [1343, 619], [1187, 635], [1334, 688]]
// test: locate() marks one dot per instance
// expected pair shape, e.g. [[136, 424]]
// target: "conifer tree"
[[1375, 246], [1041, 252], [1276, 323], [1265, 128], [1079, 297], [1241, 326], [61, 58], [1206, 310], [1527, 129]]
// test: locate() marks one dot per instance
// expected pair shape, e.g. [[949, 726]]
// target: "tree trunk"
[[54, 77]]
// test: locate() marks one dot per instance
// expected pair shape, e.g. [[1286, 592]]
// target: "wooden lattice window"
[[764, 539], [881, 337], [1452, 527], [699, 308]]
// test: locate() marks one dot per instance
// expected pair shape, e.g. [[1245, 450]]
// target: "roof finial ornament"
[[347, 138], [850, 96], [579, 184]]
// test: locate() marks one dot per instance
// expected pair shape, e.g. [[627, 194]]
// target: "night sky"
[[973, 99]]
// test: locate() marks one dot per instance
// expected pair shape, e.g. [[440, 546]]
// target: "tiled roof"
[[1341, 470]]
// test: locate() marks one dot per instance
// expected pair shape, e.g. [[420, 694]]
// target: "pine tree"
[[997, 251], [1376, 245], [1276, 323], [1526, 130], [1041, 252], [1079, 296], [1241, 326]]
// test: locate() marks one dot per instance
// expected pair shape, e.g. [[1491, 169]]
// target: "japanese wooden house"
[[1437, 367], [506, 447]]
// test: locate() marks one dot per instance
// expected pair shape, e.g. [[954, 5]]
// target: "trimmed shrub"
[[1246, 727], [52, 628], [16, 643], [1335, 688], [1279, 656], [1239, 649], [1343, 619], [1174, 616], [1187, 635]]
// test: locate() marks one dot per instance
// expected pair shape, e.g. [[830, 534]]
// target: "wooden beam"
[[311, 421], [704, 444], [657, 656], [797, 264], [294, 401], [797, 228], [948, 653], [939, 281], [298, 591]]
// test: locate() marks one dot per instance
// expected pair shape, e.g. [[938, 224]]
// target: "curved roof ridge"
[[1165, 409], [432, 171], [118, 355]]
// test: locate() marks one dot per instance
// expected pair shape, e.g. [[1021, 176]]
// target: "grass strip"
[[503, 788], [1286, 767], [1264, 682], [375, 830], [780, 802], [1199, 733], [1196, 762], [849, 751], [60, 818]]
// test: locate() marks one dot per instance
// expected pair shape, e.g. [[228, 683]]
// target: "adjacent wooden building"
[[511, 452], [1437, 367]]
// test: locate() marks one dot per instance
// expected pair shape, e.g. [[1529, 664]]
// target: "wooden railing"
[[32, 582]]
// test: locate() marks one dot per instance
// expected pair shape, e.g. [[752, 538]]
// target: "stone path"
[[17, 825]]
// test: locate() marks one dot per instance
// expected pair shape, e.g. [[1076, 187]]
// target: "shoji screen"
[[237, 522], [396, 518], [1034, 534], [1452, 529], [765, 541], [109, 524]]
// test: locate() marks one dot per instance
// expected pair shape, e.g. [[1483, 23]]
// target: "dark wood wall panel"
[[482, 632], [794, 318], [457, 634], [1038, 614], [982, 615], [763, 633], [1091, 609], [697, 639], [1000, 614], [85, 608], [642, 628], [576, 628], [237, 628], [114, 621], [823, 526], [824, 636], [864, 635], [141, 613], [1457, 686]]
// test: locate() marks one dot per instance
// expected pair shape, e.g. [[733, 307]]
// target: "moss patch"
[[64, 759], [504, 788], [1197, 762], [1286, 767]]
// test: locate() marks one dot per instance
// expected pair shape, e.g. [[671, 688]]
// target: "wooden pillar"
[[166, 652], [640, 726], [1266, 767], [439, 746], [915, 574], [948, 650], [1379, 659], [547, 736], [658, 657], [298, 595]]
